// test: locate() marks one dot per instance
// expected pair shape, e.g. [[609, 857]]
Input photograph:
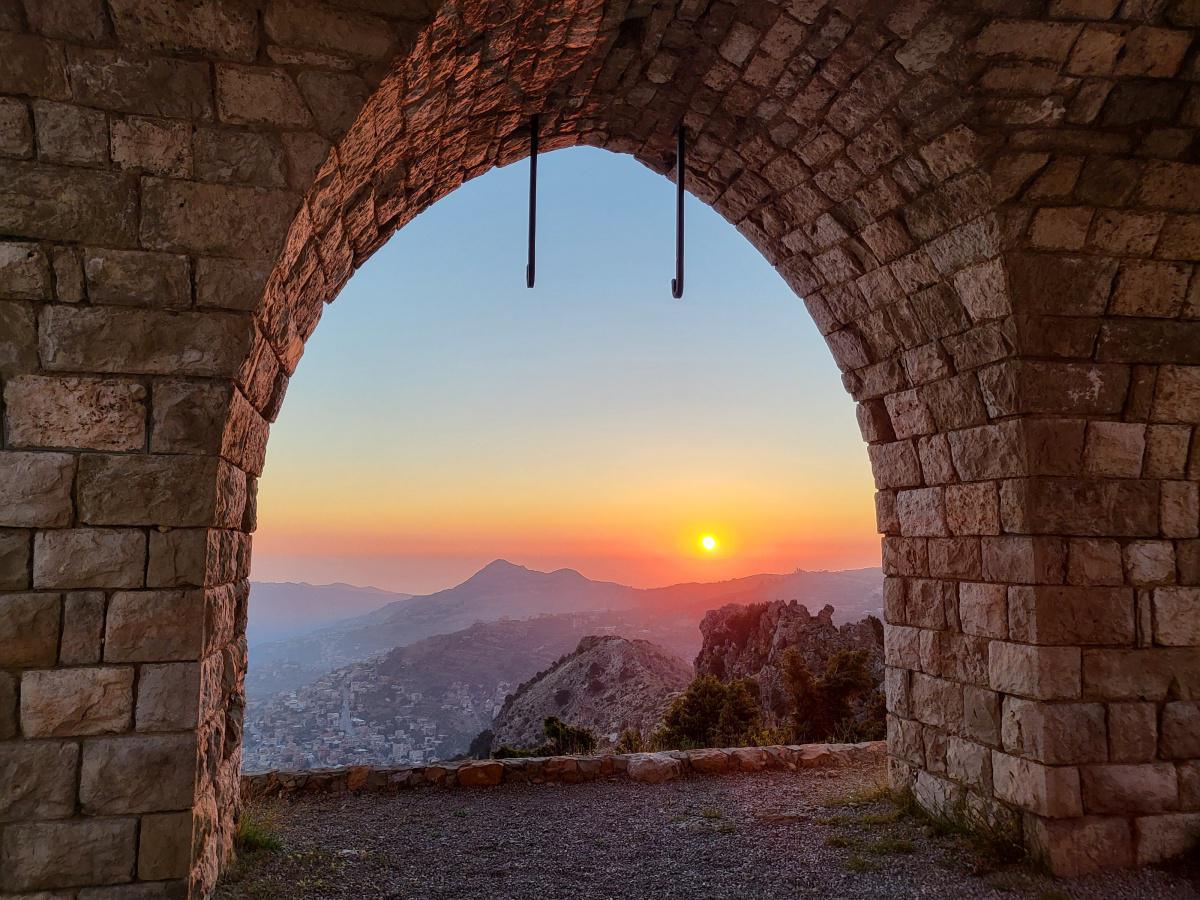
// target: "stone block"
[[972, 509], [33, 66], [165, 848], [1071, 615], [76, 20], [212, 27], [1094, 561], [480, 774], [189, 416], [1177, 395], [37, 780], [969, 763], [1072, 847], [983, 609], [18, 338], [16, 135], [14, 560], [937, 701], [68, 204], [1080, 507], [1163, 838], [35, 489], [1132, 732], [1180, 730], [1051, 791], [981, 715], [138, 774], [143, 341], [83, 628], [654, 768], [75, 412], [147, 490], [234, 221], [73, 135], [318, 26], [954, 558], [141, 84], [153, 146], [72, 702], [67, 854], [154, 626], [240, 157], [24, 272], [922, 512], [68, 274], [1180, 510], [259, 95], [138, 278], [230, 284], [895, 465], [29, 630], [8, 707], [1149, 563], [89, 557], [1177, 616], [179, 557], [335, 99], [169, 697], [928, 602], [1055, 733], [1043, 673], [1150, 289], [1122, 789], [1115, 449], [1023, 560], [1142, 674]]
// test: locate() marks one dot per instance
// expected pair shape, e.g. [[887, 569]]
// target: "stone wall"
[[991, 210], [650, 768]]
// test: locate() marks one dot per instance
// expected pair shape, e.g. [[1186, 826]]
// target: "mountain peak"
[[502, 565]]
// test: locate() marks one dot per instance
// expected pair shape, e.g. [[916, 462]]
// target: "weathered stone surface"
[[1049, 614], [89, 557], [154, 146], [69, 702], [1055, 733], [67, 204], [29, 629], [230, 284], [189, 416], [137, 278], [24, 272], [68, 134], [139, 773], [1049, 791], [14, 560], [168, 697], [654, 768], [153, 626], [18, 338], [304, 23], [1144, 674], [1163, 838], [179, 557], [16, 134], [1180, 730], [74, 412], [240, 157], [1177, 616], [37, 780], [81, 20], [165, 847], [1045, 673], [221, 220], [1081, 846], [1132, 732], [225, 30], [30, 65], [83, 628], [256, 95], [67, 854], [708, 761], [141, 84], [480, 774], [1122, 789], [142, 341], [9, 722]]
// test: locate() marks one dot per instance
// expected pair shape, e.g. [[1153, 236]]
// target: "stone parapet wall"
[[651, 768]]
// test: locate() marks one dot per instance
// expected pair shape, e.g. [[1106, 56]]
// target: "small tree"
[[821, 707], [711, 714], [564, 740]]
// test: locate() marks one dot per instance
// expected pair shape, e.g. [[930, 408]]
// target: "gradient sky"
[[444, 415]]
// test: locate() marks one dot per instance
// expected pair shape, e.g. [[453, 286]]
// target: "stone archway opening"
[[992, 216]]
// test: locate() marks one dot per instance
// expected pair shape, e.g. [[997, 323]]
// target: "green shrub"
[[711, 714], [561, 740], [821, 706]]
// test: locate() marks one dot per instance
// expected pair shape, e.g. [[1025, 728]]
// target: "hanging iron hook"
[[680, 174], [531, 266]]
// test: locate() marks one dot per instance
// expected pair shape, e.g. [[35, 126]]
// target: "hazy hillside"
[[504, 590], [281, 610], [422, 701], [607, 684]]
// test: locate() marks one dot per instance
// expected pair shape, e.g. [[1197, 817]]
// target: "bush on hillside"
[[823, 706], [711, 713], [561, 740]]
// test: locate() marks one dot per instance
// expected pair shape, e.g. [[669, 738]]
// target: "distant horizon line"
[[370, 587]]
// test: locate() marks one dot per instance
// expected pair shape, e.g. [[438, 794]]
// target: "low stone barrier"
[[651, 768]]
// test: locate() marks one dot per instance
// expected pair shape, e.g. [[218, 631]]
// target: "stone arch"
[[989, 209]]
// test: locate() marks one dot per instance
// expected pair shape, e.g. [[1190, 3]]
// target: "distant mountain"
[[423, 701], [504, 590], [606, 684], [749, 641], [281, 610]]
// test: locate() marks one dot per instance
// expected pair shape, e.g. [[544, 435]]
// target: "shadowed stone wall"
[[991, 210]]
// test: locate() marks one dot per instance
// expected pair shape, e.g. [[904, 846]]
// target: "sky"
[[444, 415]]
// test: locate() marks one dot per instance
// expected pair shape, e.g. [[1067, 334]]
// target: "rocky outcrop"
[[750, 642], [607, 684]]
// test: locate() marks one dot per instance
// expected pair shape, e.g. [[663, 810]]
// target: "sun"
[[709, 543]]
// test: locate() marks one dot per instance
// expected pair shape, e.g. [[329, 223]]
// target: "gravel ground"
[[743, 836]]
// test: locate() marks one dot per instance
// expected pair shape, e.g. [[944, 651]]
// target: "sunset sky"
[[444, 415]]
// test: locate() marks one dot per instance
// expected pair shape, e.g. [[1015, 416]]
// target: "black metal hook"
[[680, 174], [530, 267]]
